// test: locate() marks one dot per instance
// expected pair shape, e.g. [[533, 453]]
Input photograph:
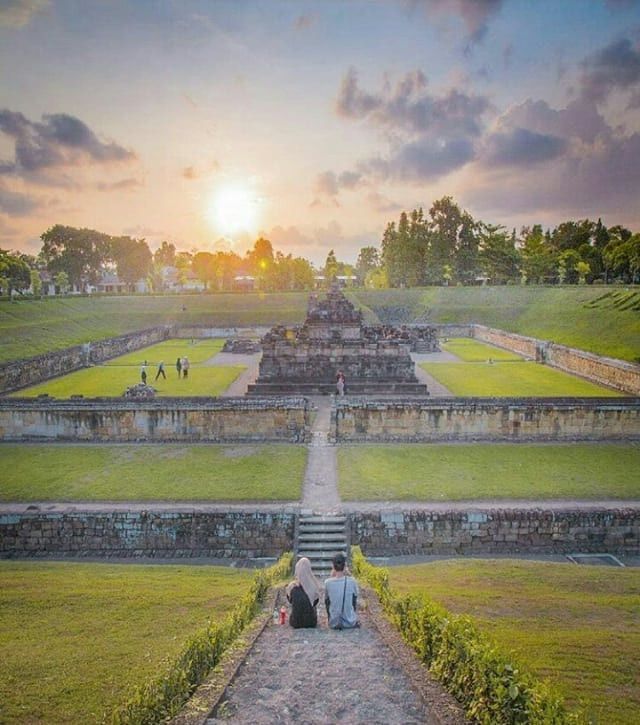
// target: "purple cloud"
[[475, 14], [14, 203], [521, 147], [617, 66]]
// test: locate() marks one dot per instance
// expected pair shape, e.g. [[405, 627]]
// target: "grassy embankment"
[[75, 637], [486, 370], [171, 472], [577, 626], [592, 318], [113, 378], [459, 472]]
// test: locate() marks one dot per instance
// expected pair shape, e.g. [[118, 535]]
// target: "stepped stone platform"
[[374, 360]]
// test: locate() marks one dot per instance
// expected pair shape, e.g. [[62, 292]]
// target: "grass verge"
[[510, 379], [168, 472], [469, 350], [577, 626], [198, 351], [458, 472], [75, 636]]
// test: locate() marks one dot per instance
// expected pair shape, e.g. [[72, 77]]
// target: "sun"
[[233, 209]]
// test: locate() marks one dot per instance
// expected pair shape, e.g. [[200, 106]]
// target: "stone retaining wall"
[[485, 419], [19, 374], [499, 531], [192, 420], [167, 534]]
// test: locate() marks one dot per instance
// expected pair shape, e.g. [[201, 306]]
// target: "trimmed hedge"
[[162, 697], [491, 688]]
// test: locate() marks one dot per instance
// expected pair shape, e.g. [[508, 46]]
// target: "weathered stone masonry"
[[498, 531], [116, 420], [166, 534], [485, 419]]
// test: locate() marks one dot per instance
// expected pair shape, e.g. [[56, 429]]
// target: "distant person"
[[143, 373], [161, 370], [179, 366], [185, 367], [341, 596], [303, 594], [340, 383]]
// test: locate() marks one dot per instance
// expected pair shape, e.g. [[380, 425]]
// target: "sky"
[[314, 123]]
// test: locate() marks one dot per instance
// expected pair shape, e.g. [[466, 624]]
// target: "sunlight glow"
[[233, 209]]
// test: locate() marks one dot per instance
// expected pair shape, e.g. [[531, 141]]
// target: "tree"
[[61, 281], [14, 272], [368, 260], [446, 222], [204, 267], [330, 267], [403, 250], [583, 269], [498, 254], [165, 255], [537, 257], [80, 253], [36, 283], [261, 260], [132, 258], [466, 259]]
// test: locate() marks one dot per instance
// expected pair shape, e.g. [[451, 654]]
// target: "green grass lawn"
[[469, 350], [459, 472], [198, 352], [511, 379], [577, 626], [113, 380], [168, 472], [75, 638]]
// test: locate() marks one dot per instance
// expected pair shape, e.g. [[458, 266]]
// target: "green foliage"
[[167, 472], [163, 696], [459, 472], [492, 689]]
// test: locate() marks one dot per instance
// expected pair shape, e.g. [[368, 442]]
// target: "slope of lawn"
[[577, 626], [512, 379], [590, 318], [75, 638], [469, 350], [168, 472], [458, 472], [113, 380]]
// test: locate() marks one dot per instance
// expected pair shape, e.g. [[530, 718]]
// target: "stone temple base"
[[365, 387]]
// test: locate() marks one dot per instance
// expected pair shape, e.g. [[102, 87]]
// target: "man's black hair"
[[339, 562]]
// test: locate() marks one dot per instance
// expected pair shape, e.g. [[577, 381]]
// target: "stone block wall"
[[526, 346], [485, 419], [497, 531], [116, 420], [162, 534], [31, 371]]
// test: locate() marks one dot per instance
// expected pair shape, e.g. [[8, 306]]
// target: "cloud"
[[17, 13], [303, 22], [129, 183], [60, 140], [475, 14], [617, 66], [191, 173], [329, 183], [16, 204], [381, 204], [522, 147]]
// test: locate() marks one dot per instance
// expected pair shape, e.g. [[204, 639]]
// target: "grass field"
[[512, 379], [74, 638], [577, 626], [459, 472], [169, 472], [469, 350], [116, 375], [577, 316]]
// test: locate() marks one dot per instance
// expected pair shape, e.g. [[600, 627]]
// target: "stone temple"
[[305, 360]]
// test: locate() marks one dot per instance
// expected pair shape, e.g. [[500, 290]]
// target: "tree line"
[[448, 246], [442, 247]]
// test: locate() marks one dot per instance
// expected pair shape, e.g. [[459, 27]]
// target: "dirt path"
[[239, 386], [323, 676], [320, 487], [436, 389]]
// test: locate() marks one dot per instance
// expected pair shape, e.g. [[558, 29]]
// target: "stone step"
[[322, 536], [320, 531], [325, 555], [322, 546], [322, 518]]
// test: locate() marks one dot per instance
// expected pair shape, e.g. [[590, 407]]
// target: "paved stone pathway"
[[239, 386], [321, 676], [436, 389], [320, 487]]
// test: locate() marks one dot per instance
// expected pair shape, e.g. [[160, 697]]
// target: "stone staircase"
[[319, 537]]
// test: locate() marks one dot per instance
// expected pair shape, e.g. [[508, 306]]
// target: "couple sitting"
[[340, 596]]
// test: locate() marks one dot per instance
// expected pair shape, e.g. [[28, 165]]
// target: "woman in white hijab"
[[304, 594]]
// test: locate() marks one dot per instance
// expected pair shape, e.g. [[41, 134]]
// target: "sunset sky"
[[313, 122]]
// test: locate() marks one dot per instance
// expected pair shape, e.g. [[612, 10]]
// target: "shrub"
[[161, 698], [492, 689]]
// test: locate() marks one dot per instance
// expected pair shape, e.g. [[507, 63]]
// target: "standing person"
[[185, 367], [143, 372], [179, 366], [161, 370], [341, 596], [340, 383], [303, 594]]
